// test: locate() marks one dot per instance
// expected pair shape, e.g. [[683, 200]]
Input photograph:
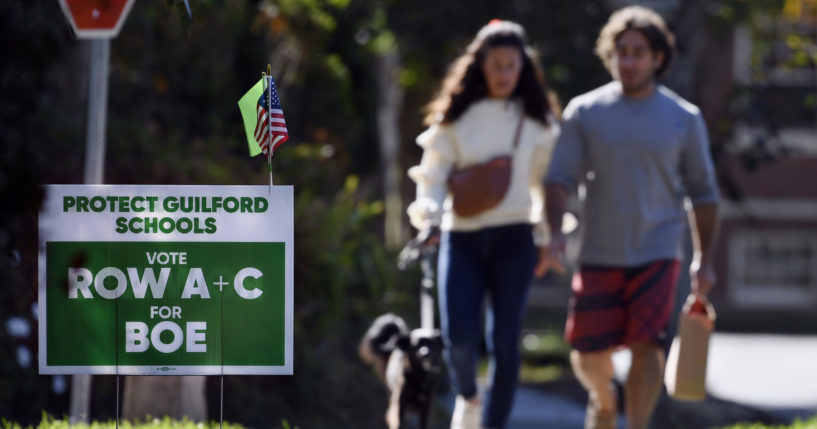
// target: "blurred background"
[[353, 76]]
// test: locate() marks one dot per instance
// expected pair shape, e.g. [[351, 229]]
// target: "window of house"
[[773, 268]]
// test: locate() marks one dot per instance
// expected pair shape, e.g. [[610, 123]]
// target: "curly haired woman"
[[493, 102]]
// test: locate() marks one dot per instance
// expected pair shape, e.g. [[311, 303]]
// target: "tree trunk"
[[390, 100], [159, 396]]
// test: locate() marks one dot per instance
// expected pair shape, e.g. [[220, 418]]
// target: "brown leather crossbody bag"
[[478, 188]]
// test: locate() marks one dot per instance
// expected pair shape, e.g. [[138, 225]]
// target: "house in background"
[[767, 254]]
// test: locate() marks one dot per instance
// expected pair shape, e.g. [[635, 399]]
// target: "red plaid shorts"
[[614, 306]]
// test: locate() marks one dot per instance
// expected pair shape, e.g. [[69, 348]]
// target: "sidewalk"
[[540, 410], [767, 371], [769, 378]]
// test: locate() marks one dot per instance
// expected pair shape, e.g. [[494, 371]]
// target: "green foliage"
[[545, 357], [544, 344], [285, 425], [798, 424], [49, 422]]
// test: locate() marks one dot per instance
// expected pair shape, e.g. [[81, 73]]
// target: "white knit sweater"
[[483, 132]]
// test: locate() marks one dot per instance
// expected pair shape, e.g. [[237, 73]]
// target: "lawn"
[[799, 424], [49, 422]]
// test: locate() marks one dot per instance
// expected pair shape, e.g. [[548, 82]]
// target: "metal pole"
[[97, 109], [117, 396], [80, 398], [94, 168], [221, 352], [427, 290]]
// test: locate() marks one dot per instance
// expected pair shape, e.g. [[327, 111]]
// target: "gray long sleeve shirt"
[[638, 159]]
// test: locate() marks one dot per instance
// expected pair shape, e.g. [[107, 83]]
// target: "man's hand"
[[702, 278], [552, 256]]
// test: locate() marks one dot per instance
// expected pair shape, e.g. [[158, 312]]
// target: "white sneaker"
[[467, 415]]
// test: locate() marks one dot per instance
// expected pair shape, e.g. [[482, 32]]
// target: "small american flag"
[[275, 116]]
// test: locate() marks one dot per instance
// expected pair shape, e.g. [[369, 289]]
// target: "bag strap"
[[517, 133], [518, 129]]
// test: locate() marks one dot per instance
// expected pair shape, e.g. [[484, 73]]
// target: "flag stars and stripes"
[[271, 128]]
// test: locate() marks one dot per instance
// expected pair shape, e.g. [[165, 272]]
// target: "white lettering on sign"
[[121, 283], [164, 258], [195, 285], [78, 280], [81, 279], [174, 344], [140, 285], [196, 337], [138, 337], [239, 283], [166, 312]]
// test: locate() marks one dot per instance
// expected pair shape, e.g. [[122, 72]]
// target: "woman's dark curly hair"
[[465, 82]]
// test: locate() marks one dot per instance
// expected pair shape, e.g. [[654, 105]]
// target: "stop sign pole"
[[99, 21]]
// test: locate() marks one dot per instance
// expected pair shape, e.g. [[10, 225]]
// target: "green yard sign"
[[175, 280]]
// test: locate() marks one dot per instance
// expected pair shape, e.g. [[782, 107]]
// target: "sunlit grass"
[[544, 356], [798, 424], [49, 422], [540, 374], [544, 343]]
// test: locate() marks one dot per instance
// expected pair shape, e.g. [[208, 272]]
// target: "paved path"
[[771, 372], [540, 410], [768, 371]]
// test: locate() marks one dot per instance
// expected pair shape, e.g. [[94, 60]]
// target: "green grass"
[[49, 422], [544, 343], [798, 424], [545, 357], [534, 374]]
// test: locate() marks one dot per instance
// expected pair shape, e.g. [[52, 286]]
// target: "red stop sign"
[[96, 19]]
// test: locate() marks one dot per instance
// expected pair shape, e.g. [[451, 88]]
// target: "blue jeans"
[[496, 262]]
